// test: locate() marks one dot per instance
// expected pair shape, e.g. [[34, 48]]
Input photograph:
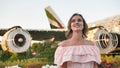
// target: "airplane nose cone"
[[20, 40]]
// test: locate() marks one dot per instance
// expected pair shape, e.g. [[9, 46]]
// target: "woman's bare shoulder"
[[63, 43], [89, 42]]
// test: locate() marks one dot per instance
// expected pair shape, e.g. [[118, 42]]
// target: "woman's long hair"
[[69, 31]]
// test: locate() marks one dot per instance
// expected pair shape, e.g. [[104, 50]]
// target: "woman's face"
[[77, 23]]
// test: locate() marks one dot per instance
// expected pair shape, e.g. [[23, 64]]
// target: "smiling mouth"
[[77, 25]]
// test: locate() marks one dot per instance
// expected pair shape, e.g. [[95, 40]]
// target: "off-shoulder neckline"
[[76, 45]]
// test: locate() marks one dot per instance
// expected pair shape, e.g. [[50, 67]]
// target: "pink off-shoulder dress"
[[77, 56]]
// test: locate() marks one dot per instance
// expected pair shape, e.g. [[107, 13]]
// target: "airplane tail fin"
[[55, 22]]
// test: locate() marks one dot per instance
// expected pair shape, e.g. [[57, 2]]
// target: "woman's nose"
[[76, 22]]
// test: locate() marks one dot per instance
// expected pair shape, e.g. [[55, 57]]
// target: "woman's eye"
[[79, 20], [73, 21], [76, 20]]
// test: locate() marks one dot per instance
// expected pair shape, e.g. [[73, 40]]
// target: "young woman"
[[76, 51]]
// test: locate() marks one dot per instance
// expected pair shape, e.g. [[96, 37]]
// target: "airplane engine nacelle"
[[106, 41], [16, 40]]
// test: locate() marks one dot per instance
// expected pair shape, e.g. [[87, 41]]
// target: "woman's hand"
[[64, 65], [95, 65]]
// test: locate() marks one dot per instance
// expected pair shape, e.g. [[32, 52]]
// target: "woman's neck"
[[77, 36]]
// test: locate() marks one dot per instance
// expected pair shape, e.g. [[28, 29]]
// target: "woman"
[[76, 51]]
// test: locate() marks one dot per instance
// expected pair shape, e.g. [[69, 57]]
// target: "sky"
[[30, 14]]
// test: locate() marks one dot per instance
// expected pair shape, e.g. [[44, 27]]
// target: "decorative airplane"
[[105, 34]]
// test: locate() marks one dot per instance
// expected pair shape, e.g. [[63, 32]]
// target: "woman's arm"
[[64, 65], [95, 65]]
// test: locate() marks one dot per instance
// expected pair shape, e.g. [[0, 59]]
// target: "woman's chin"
[[77, 30]]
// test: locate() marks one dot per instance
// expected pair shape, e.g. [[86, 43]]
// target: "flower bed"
[[38, 56], [110, 61]]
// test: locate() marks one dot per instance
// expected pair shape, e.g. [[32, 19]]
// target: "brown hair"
[[85, 28]]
